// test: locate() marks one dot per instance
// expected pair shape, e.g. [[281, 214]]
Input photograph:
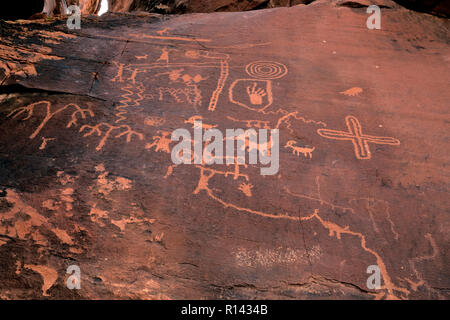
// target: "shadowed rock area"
[[19, 10], [86, 176]]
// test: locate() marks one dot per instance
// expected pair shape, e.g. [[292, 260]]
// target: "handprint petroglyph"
[[255, 94]]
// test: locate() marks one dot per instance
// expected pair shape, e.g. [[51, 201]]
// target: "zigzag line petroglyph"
[[127, 100]]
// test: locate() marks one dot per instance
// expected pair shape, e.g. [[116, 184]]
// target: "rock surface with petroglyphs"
[[87, 179]]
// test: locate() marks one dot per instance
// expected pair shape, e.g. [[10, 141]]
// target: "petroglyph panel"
[[89, 177]]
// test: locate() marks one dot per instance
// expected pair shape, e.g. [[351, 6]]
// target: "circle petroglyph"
[[266, 70]]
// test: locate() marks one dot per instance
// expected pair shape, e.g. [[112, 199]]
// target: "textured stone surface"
[[437, 7], [17, 9], [86, 176]]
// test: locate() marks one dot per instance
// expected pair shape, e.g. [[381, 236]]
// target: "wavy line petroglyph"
[[127, 100], [286, 119], [391, 290], [254, 93]]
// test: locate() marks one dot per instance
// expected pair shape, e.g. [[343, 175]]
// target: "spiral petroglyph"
[[266, 70]]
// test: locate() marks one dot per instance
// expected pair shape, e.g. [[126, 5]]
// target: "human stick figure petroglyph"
[[246, 188], [163, 31], [164, 56], [334, 230], [161, 142], [210, 60], [354, 134], [306, 151], [128, 132], [29, 110], [44, 142]]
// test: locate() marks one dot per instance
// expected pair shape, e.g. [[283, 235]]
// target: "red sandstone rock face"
[[87, 179]]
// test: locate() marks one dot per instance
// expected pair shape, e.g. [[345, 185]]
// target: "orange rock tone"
[[86, 176]]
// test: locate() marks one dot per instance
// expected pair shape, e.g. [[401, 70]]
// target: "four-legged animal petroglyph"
[[306, 151], [259, 96]]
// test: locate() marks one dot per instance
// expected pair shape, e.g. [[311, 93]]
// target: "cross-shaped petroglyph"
[[354, 134]]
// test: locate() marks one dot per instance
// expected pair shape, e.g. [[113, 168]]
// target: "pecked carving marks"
[[29, 110]]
